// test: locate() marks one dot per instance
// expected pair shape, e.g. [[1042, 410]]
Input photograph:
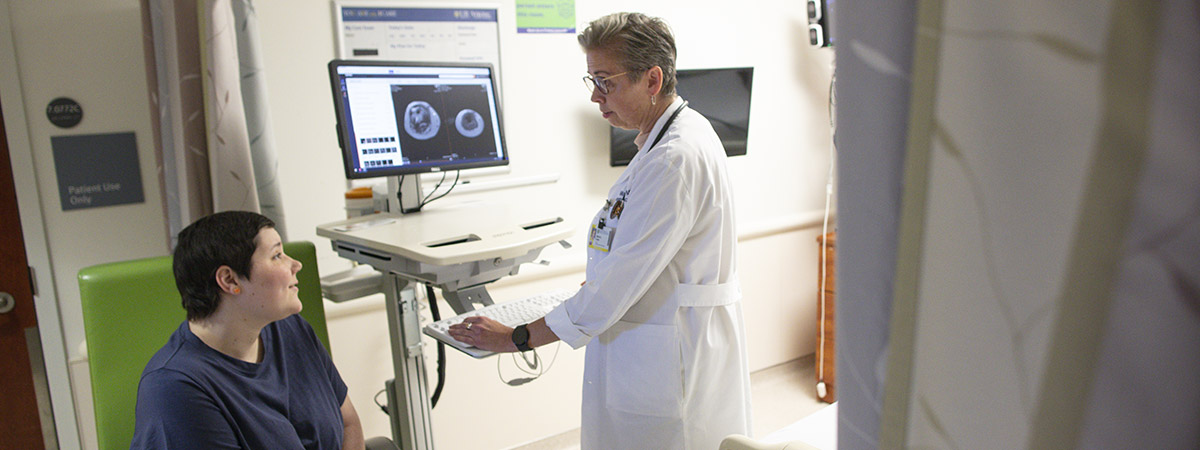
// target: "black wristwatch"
[[520, 338]]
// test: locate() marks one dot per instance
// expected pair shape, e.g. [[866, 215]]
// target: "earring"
[[237, 290], [653, 101]]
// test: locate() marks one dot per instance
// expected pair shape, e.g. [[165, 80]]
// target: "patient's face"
[[271, 291]]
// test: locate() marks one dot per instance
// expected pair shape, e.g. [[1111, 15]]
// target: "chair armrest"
[[381, 443]]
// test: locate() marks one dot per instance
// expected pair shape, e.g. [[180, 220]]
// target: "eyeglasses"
[[600, 83]]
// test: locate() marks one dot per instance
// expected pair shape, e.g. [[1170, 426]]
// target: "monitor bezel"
[[347, 148], [622, 149]]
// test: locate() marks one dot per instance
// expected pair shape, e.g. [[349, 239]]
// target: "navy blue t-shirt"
[[192, 396]]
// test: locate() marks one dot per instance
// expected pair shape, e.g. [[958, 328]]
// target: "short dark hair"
[[222, 239], [639, 40]]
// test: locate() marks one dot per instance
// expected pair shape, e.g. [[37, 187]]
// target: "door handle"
[[7, 302]]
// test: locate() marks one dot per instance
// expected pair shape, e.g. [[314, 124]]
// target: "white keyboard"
[[512, 313]]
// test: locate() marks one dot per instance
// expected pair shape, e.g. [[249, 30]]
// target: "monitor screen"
[[397, 118], [721, 95]]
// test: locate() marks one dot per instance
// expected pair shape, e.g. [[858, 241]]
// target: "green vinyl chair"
[[130, 308]]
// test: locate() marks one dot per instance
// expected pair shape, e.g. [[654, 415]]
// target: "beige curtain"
[[212, 138], [176, 93]]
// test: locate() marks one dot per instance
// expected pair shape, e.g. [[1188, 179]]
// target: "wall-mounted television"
[[721, 95]]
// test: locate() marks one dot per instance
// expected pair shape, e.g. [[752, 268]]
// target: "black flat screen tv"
[[721, 95]]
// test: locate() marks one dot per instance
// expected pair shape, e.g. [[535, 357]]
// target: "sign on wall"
[[64, 112], [546, 16], [97, 170], [412, 32]]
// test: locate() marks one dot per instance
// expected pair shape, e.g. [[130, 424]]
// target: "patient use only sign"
[[97, 170]]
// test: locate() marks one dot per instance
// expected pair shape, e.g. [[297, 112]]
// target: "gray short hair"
[[639, 40]]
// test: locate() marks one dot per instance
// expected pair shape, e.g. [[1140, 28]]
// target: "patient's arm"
[[352, 435]]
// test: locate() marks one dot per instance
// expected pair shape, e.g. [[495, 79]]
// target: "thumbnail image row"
[[379, 151], [379, 163]]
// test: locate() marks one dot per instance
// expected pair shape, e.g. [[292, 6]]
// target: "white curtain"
[[213, 137], [1046, 291], [1046, 278], [257, 115]]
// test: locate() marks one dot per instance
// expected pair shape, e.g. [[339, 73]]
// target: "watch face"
[[520, 337]]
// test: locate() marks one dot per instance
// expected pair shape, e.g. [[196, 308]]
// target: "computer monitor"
[[398, 118], [721, 95]]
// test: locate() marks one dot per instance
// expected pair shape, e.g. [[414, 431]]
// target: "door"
[[20, 417]]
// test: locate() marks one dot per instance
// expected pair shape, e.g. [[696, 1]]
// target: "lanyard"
[[667, 125]]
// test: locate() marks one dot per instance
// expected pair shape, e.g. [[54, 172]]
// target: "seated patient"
[[244, 371]]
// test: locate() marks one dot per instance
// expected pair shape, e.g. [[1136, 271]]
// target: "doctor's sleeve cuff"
[[560, 323]]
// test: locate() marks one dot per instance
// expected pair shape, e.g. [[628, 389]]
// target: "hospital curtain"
[[214, 144], [1046, 277], [1018, 216]]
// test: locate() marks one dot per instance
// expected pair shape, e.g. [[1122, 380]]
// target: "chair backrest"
[[130, 308]]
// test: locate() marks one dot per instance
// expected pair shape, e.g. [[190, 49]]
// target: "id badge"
[[602, 238]]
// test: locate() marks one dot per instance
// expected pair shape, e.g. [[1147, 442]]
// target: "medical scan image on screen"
[[396, 118], [421, 121], [469, 123], [442, 122]]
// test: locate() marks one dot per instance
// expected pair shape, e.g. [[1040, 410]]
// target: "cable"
[[821, 388], [456, 175], [381, 406], [435, 188], [532, 366], [427, 200], [399, 194], [441, 348]]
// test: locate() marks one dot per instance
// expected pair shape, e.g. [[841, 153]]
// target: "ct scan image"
[[444, 122], [469, 123], [421, 121]]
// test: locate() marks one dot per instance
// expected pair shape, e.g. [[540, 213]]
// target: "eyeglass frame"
[[590, 81]]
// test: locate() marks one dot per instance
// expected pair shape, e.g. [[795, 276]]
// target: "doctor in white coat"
[[660, 312]]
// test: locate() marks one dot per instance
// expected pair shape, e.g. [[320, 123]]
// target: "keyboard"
[[512, 313]]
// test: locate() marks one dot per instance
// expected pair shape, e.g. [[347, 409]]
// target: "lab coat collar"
[[662, 120]]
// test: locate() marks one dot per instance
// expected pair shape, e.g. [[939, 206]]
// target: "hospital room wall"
[[92, 51]]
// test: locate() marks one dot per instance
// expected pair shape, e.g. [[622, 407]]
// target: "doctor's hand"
[[484, 333]]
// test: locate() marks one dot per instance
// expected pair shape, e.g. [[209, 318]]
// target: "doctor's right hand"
[[484, 333]]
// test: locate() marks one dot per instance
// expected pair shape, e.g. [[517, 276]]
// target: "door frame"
[[54, 351]]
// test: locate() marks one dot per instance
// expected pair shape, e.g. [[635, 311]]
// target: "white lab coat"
[[661, 312]]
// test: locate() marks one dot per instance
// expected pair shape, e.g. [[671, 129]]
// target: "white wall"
[[92, 51]]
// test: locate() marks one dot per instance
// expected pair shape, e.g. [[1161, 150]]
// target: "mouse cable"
[[533, 366]]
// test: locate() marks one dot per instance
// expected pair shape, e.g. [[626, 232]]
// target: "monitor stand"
[[405, 193]]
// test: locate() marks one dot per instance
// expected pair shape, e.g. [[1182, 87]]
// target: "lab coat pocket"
[[644, 370]]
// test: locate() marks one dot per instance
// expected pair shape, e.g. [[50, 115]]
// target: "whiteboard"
[[424, 32]]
